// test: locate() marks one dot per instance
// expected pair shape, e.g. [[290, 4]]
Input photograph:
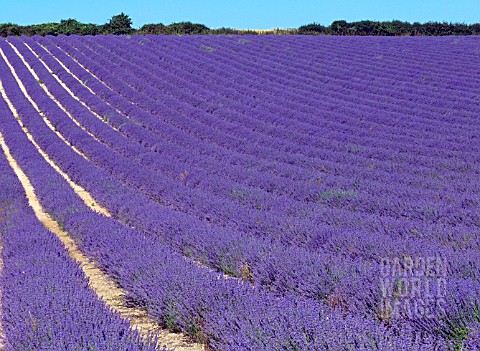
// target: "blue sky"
[[254, 14]]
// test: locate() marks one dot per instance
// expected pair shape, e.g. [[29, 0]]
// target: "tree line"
[[391, 28], [122, 24]]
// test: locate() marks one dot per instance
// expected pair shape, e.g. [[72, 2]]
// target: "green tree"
[[154, 29], [69, 26], [187, 28], [313, 28], [339, 27], [7, 29], [40, 29], [119, 24], [474, 29]]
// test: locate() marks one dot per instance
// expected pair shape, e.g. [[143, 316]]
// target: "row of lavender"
[[410, 227], [460, 265], [471, 255], [225, 312], [322, 276], [159, 168], [127, 180], [297, 106], [454, 255], [466, 201], [46, 301], [229, 251], [425, 209], [222, 102]]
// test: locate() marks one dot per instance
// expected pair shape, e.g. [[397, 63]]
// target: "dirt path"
[[103, 286], [84, 195]]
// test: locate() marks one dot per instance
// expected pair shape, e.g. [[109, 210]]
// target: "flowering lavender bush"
[[46, 302], [333, 178]]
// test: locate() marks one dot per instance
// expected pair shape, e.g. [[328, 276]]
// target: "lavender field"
[[242, 192]]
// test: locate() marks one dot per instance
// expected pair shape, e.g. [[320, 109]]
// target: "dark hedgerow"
[[122, 24]]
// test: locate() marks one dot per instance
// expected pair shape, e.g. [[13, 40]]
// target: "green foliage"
[[339, 27], [72, 26], [122, 25], [40, 29], [7, 29], [153, 29], [313, 29], [391, 28], [119, 24], [181, 28], [232, 31], [67, 27]]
